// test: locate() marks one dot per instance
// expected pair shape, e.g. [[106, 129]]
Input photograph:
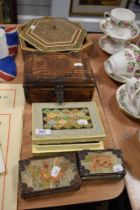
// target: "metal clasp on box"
[[59, 91]]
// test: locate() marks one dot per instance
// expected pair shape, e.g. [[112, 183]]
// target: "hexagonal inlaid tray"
[[53, 34]]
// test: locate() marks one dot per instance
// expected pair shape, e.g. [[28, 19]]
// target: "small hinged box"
[[48, 175], [101, 164]]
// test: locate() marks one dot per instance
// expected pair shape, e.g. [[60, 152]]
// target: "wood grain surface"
[[124, 129]]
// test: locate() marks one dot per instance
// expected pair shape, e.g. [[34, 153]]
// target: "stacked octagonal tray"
[[56, 66], [53, 34]]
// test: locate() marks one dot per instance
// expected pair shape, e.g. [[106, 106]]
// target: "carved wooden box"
[[59, 77]]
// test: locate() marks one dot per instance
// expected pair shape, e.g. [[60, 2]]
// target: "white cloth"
[[4, 52]]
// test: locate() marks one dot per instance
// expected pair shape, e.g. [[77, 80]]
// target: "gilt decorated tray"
[[53, 34]]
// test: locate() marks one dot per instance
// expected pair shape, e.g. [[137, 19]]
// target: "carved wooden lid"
[[53, 34], [68, 69]]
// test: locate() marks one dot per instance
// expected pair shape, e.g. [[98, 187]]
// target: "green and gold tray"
[[86, 47], [53, 34], [41, 176], [66, 123]]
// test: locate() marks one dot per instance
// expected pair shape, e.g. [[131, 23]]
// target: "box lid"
[[67, 69], [101, 164], [53, 34], [68, 123], [86, 46], [55, 173]]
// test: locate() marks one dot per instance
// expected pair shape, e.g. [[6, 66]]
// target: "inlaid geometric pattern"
[[69, 118], [53, 34]]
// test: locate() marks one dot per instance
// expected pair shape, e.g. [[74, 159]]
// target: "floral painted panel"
[[102, 163], [131, 66], [66, 118], [41, 176]]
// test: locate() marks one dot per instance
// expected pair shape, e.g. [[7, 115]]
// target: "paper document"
[[10, 137], [2, 166], [11, 96]]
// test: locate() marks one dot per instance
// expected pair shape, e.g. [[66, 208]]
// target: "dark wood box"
[[57, 77]]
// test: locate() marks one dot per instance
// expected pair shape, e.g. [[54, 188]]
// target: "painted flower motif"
[[137, 55], [136, 52], [133, 31], [134, 87], [130, 67], [101, 163], [131, 47], [131, 63], [128, 55], [121, 24]]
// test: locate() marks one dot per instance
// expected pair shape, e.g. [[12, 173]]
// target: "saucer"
[[111, 46], [118, 78], [125, 103], [131, 32]]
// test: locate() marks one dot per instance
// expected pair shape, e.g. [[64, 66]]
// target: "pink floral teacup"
[[125, 62], [120, 19]]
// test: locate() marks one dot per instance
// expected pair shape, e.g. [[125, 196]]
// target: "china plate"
[[131, 33], [111, 46], [118, 78], [125, 103]]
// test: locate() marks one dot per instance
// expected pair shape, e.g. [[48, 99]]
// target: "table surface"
[[124, 129], [121, 131], [90, 191]]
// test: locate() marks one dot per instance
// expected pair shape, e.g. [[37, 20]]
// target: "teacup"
[[133, 92], [125, 62], [121, 19]]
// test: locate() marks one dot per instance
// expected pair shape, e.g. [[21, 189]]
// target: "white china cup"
[[120, 20], [133, 92], [125, 62]]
